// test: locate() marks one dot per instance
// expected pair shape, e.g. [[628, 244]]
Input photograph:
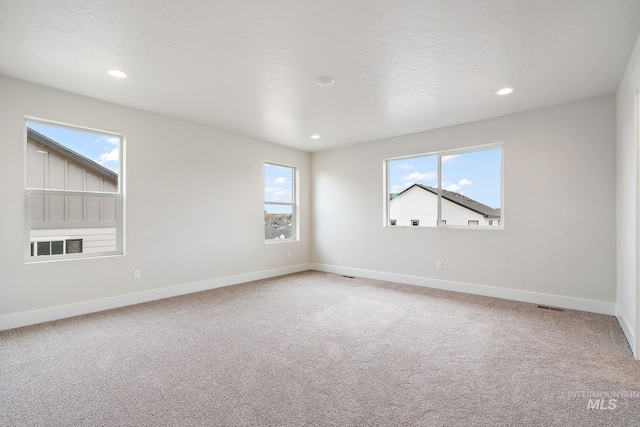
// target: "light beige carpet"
[[317, 349]]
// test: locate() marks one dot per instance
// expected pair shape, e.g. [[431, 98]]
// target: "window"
[[280, 210], [455, 188], [73, 188], [56, 247]]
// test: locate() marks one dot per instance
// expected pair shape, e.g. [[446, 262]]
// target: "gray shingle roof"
[[459, 199], [274, 229]]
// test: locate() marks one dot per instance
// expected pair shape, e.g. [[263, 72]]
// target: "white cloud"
[[417, 176], [280, 180], [275, 193], [113, 140], [446, 159], [456, 187], [111, 156]]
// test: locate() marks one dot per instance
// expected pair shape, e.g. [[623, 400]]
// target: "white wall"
[[627, 201], [559, 210], [194, 207]]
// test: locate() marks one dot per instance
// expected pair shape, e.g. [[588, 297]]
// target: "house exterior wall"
[[90, 218], [455, 214], [418, 203], [415, 203], [94, 240]]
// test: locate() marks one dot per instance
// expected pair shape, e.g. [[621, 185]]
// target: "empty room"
[[295, 213]]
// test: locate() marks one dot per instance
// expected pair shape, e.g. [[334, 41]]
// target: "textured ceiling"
[[249, 66]]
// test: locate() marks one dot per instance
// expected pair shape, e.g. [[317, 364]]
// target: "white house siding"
[[415, 203], [455, 214], [101, 239], [418, 203]]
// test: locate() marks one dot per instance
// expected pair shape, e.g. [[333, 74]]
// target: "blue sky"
[[475, 174], [278, 187], [102, 149]]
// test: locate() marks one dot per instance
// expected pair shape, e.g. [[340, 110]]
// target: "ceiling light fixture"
[[504, 91], [325, 81], [117, 73], [315, 136]]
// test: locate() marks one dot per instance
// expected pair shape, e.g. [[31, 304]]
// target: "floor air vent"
[[550, 308], [349, 277]]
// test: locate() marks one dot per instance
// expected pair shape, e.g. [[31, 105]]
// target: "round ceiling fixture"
[[504, 91], [315, 136], [117, 73], [325, 81]]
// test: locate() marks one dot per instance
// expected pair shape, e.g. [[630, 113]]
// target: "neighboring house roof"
[[275, 229], [459, 199], [63, 151]]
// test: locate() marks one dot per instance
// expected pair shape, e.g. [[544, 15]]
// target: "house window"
[[56, 247], [392, 222], [73, 187], [446, 188], [280, 207]]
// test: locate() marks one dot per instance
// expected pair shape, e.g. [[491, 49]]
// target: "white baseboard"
[[489, 291], [628, 331], [11, 321], [16, 320]]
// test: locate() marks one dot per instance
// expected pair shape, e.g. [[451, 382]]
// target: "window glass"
[[454, 188], [279, 202], [73, 189]]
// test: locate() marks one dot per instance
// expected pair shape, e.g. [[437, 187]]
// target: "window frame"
[[29, 192], [440, 223], [294, 202]]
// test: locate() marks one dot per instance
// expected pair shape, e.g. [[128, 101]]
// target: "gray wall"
[[194, 204], [559, 206]]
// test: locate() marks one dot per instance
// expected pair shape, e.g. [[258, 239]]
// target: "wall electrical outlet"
[[136, 274], [439, 265], [289, 254]]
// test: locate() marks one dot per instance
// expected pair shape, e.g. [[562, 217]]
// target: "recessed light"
[[315, 136], [504, 91], [117, 73], [325, 81]]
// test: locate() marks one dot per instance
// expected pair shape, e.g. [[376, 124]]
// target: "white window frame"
[[294, 203], [118, 196], [440, 223]]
